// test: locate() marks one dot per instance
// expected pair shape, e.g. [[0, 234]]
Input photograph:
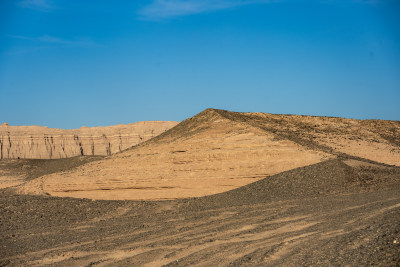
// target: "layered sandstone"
[[36, 142]]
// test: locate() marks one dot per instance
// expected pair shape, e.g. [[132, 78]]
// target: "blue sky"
[[66, 63]]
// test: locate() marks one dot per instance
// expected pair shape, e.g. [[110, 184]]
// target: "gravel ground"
[[327, 214]]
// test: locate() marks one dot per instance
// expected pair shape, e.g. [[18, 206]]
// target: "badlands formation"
[[36, 142], [218, 189]]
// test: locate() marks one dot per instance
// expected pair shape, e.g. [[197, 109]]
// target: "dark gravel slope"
[[325, 178], [325, 214]]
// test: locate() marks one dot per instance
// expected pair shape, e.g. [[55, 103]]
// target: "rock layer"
[[38, 142]]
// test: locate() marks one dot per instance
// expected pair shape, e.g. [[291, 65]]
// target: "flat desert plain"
[[221, 188]]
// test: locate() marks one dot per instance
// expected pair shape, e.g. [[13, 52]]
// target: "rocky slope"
[[36, 142]]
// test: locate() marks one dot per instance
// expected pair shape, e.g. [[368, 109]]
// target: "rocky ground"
[[338, 212]]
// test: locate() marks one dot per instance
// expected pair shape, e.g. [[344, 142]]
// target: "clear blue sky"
[[70, 63]]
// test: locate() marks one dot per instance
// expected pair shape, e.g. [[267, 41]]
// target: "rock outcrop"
[[38, 142]]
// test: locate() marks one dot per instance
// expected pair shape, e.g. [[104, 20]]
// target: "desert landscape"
[[220, 188]]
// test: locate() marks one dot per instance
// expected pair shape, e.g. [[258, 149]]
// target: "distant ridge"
[[36, 142]]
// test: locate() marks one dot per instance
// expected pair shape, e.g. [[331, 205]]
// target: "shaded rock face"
[[38, 142]]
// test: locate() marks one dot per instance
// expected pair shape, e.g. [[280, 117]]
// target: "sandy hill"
[[216, 151], [36, 142]]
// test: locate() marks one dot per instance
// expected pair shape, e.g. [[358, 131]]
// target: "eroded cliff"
[[38, 142]]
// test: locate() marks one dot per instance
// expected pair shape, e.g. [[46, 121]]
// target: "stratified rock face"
[[38, 142]]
